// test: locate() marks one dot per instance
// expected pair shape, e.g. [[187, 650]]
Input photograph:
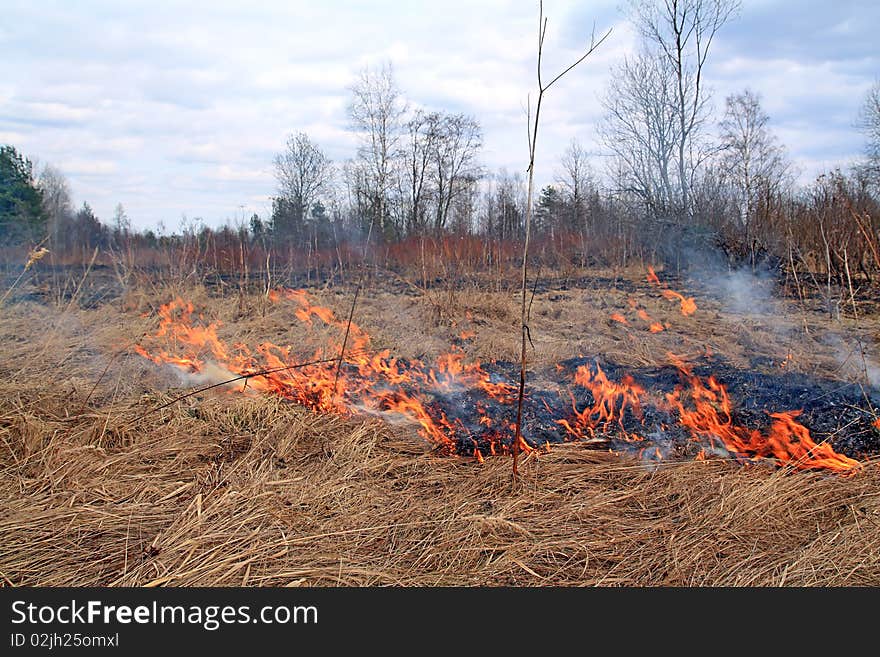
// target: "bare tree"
[[464, 207], [376, 111], [415, 178], [682, 32], [575, 180], [57, 203], [642, 131], [354, 187], [533, 122], [458, 140], [752, 158], [121, 222], [437, 164], [869, 124], [302, 171], [504, 206]]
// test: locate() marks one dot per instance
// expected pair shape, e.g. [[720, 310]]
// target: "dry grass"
[[237, 491], [246, 490]]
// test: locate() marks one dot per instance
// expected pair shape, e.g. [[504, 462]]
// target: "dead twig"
[[345, 339], [533, 137]]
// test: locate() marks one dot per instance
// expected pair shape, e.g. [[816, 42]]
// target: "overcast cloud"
[[178, 108]]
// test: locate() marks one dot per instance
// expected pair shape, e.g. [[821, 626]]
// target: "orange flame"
[[788, 441], [688, 305], [375, 382], [366, 381], [610, 401]]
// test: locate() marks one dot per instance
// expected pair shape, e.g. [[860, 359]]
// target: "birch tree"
[[752, 158], [681, 32], [376, 112]]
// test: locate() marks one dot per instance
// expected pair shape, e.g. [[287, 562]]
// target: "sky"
[[176, 109]]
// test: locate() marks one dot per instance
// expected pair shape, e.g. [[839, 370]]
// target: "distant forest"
[[681, 178]]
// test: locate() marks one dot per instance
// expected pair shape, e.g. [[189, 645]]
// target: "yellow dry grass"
[[229, 489]]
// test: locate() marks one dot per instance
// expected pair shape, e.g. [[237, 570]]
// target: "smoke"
[[752, 292], [210, 374], [746, 292], [741, 290], [872, 370], [853, 359]]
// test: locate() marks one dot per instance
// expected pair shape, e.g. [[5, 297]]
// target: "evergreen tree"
[[547, 214], [22, 216]]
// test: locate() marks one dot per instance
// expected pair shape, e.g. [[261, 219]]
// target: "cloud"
[[87, 168], [45, 114], [227, 173], [172, 109]]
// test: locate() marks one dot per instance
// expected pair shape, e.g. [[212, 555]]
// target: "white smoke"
[[744, 292], [753, 294], [210, 374], [855, 361]]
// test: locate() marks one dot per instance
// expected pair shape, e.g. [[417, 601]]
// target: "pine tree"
[[22, 217]]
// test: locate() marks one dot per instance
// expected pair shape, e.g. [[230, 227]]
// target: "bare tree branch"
[[525, 333]]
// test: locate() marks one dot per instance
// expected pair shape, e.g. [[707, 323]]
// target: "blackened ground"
[[842, 413]]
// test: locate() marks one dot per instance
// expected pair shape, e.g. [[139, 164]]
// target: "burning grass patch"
[[232, 489], [319, 500], [466, 408]]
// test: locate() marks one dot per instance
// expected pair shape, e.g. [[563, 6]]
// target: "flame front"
[[610, 401], [688, 305], [364, 380], [704, 407]]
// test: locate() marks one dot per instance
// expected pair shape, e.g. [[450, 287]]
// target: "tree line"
[[678, 178]]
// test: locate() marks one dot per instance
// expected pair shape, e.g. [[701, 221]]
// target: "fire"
[[688, 305], [610, 401], [704, 407], [790, 442], [642, 314], [364, 380], [438, 430]]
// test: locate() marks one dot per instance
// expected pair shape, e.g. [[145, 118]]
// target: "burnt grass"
[[833, 410], [57, 282]]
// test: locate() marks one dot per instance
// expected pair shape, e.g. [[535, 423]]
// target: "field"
[[111, 477]]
